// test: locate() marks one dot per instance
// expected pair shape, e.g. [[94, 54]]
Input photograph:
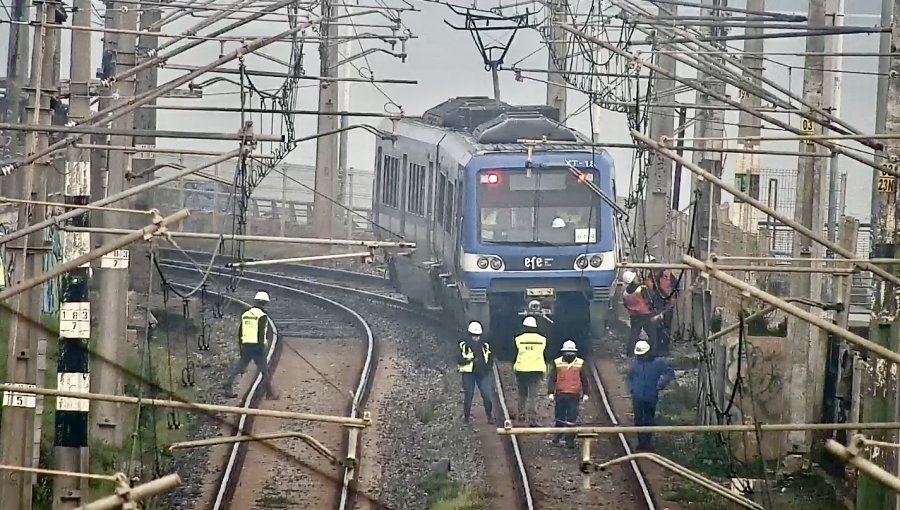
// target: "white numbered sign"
[[115, 260], [16, 399], [75, 320], [75, 382]]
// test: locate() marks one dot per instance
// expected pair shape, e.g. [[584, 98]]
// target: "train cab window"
[[548, 207]]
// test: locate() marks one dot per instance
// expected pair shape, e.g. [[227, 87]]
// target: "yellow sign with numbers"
[[807, 126]]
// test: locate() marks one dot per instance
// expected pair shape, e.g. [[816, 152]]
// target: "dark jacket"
[[647, 376], [479, 366]]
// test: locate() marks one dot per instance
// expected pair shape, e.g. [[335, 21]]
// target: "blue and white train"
[[501, 230]]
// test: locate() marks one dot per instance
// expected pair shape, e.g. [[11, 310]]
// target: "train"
[[511, 212]]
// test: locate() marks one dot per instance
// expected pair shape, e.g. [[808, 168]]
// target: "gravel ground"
[[420, 423], [211, 367], [423, 423]]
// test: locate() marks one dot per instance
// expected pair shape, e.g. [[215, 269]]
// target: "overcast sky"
[[446, 63]]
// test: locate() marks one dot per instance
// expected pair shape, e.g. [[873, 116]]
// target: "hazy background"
[[446, 63]]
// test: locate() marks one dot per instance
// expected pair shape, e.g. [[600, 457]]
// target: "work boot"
[[490, 419], [271, 395]]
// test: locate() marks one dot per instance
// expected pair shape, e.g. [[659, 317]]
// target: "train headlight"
[[596, 260], [482, 263], [581, 262], [496, 264]]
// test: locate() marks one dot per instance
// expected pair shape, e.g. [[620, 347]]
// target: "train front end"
[[540, 240]]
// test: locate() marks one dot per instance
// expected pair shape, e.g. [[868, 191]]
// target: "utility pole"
[[806, 352], [113, 275], [709, 124], [749, 125], [835, 44], [327, 145], [346, 182], [17, 430], [657, 212], [880, 384], [73, 373], [16, 76], [556, 59], [145, 118]]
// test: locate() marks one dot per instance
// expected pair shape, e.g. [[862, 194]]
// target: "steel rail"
[[521, 470], [638, 474], [359, 398], [514, 443]]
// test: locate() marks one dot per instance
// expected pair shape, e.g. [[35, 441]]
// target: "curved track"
[[378, 289], [234, 464]]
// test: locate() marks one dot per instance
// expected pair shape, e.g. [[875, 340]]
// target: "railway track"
[[520, 452], [231, 471]]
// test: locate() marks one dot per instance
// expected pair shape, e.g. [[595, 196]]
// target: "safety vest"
[[468, 355], [250, 326], [635, 302], [568, 376], [530, 349]]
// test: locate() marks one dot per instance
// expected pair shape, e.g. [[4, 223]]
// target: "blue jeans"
[[566, 414], [644, 416]]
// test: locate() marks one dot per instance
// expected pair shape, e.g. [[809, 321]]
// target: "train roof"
[[483, 125]]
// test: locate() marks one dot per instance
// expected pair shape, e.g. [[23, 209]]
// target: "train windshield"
[[546, 207]]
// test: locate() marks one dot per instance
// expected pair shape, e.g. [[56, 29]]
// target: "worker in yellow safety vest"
[[253, 336], [475, 362], [530, 368]]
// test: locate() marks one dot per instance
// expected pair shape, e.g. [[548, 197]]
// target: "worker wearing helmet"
[[662, 286], [566, 387], [647, 377], [530, 368], [636, 299], [474, 362], [253, 335]]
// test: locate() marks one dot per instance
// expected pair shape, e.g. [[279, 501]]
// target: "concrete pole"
[[806, 353], [835, 44], [17, 428], [16, 77], [327, 146], [708, 125], [145, 118], [749, 125], [879, 392], [657, 202], [71, 439], [557, 51], [113, 274]]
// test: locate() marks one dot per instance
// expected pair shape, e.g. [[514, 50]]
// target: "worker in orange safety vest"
[[566, 385], [636, 299]]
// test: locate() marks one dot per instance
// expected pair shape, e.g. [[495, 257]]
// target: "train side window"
[[441, 193], [448, 213], [391, 173], [378, 181], [415, 199], [427, 195]]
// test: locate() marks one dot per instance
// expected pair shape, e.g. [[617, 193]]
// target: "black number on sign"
[[886, 185]]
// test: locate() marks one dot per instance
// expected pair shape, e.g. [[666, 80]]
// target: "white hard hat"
[[628, 277], [641, 348], [529, 322], [569, 346], [262, 296], [475, 328], [558, 223]]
